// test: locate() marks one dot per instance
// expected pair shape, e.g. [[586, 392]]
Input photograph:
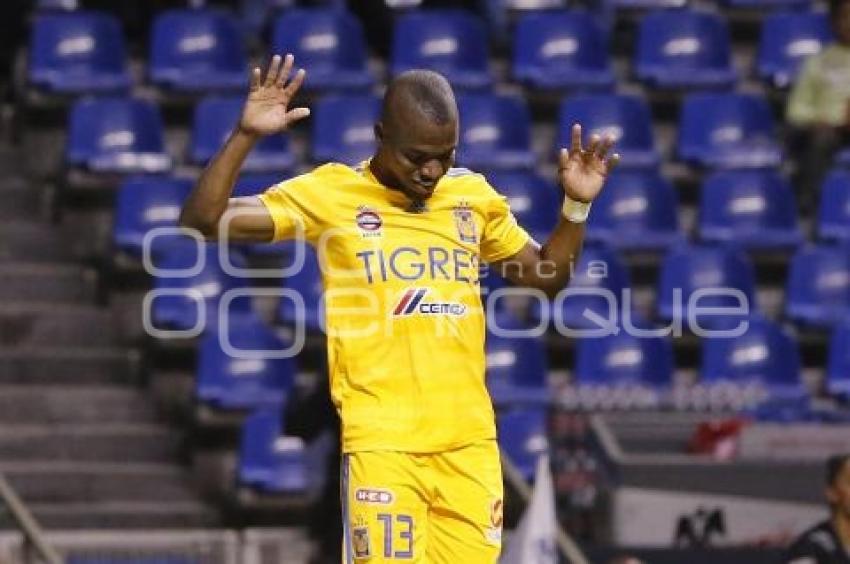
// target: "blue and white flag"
[[533, 541]]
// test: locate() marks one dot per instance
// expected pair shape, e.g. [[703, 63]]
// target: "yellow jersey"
[[403, 314]]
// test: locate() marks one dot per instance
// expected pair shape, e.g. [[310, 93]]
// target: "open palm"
[[582, 172], [266, 109]]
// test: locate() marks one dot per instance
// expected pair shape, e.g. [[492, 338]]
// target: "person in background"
[[828, 542], [819, 106]]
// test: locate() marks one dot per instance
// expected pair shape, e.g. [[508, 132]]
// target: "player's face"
[[417, 157], [841, 23], [838, 493]]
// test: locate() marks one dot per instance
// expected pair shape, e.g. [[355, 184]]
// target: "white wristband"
[[575, 212]]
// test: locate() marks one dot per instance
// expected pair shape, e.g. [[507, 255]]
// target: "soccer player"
[[399, 239], [828, 542]]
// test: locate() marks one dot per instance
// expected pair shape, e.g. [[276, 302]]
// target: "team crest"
[[465, 223], [368, 221], [360, 542]]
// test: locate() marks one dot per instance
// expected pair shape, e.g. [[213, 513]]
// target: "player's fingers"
[[296, 82], [563, 159], [575, 134], [271, 73], [605, 146], [256, 77], [283, 75], [593, 145], [297, 114]]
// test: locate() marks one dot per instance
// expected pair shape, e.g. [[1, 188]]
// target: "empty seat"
[[561, 50], [728, 131], [116, 135], [344, 128], [787, 39], [329, 44], [237, 370], [268, 460], [495, 132], [307, 283], [818, 288], [625, 117], [763, 5], [451, 42], [637, 210], [77, 52], [838, 365], [215, 118], [624, 359], [595, 293], [753, 208], [192, 282], [834, 212], [254, 183], [534, 201], [723, 277], [57, 4], [516, 366], [522, 436], [764, 354], [144, 203], [197, 50], [646, 4], [684, 49]]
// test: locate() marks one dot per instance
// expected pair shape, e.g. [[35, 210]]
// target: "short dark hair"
[[834, 6], [428, 90], [834, 464]]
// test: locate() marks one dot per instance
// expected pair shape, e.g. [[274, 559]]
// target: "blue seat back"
[[495, 132], [343, 128], [637, 209], [259, 432], [683, 40], [819, 285], [838, 365], [834, 212], [516, 361], [144, 203], [787, 39], [522, 435], [307, 282], [599, 277], [558, 42], [534, 201], [623, 358]]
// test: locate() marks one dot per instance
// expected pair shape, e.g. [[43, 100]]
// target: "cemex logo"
[[413, 302]]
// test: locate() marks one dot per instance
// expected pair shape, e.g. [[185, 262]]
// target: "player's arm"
[[265, 113], [581, 174]]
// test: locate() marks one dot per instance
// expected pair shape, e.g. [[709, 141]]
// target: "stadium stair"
[[80, 440]]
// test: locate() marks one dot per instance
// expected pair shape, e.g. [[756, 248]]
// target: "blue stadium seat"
[[688, 269], [753, 208], [838, 365], [645, 4], [684, 49], [787, 39], [46, 5], [624, 359], [637, 210], [495, 132], [560, 50], [534, 201], [215, 118], [598, 275], [343, 128], [818, 288], [247, 380], [328, 43], [764, 5], [123, 135], [254, 183], [188, 295], [842, 158], [728, 131], [451, 42], [834, 213], [197, 51], [144, 203], [522, 436], [307, 282], [268, 460], [516, 367], [78, 52], [625, 117], [764, 354]]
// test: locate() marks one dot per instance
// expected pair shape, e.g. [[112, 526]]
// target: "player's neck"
[[381, 174], [841, 525]]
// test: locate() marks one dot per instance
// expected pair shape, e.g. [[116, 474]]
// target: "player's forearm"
[[558, 257], [208, 201]]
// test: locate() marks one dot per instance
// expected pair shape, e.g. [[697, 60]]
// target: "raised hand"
[[266, 108], [582, 172]]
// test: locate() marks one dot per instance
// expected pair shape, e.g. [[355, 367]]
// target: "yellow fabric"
[[403, 311], [821, 93], [442, 508]]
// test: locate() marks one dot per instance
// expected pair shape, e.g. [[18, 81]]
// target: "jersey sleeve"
[[503, 237], [295, 207]]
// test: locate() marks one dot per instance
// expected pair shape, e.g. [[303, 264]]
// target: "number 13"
[[406, 534]]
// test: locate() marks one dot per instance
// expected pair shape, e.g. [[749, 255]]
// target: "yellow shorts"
[[431, 508]]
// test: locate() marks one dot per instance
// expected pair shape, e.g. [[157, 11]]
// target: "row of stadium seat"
[[203, 50], [126, 135]]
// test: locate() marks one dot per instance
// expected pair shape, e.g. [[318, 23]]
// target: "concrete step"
[[73, 404], [120, 515], [46, 282], [21, 200], [68, 365], [89, 443], [34, 242], [77, 482], [40, 323]]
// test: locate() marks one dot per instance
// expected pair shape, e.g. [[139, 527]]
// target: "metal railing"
[[33, 535]]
